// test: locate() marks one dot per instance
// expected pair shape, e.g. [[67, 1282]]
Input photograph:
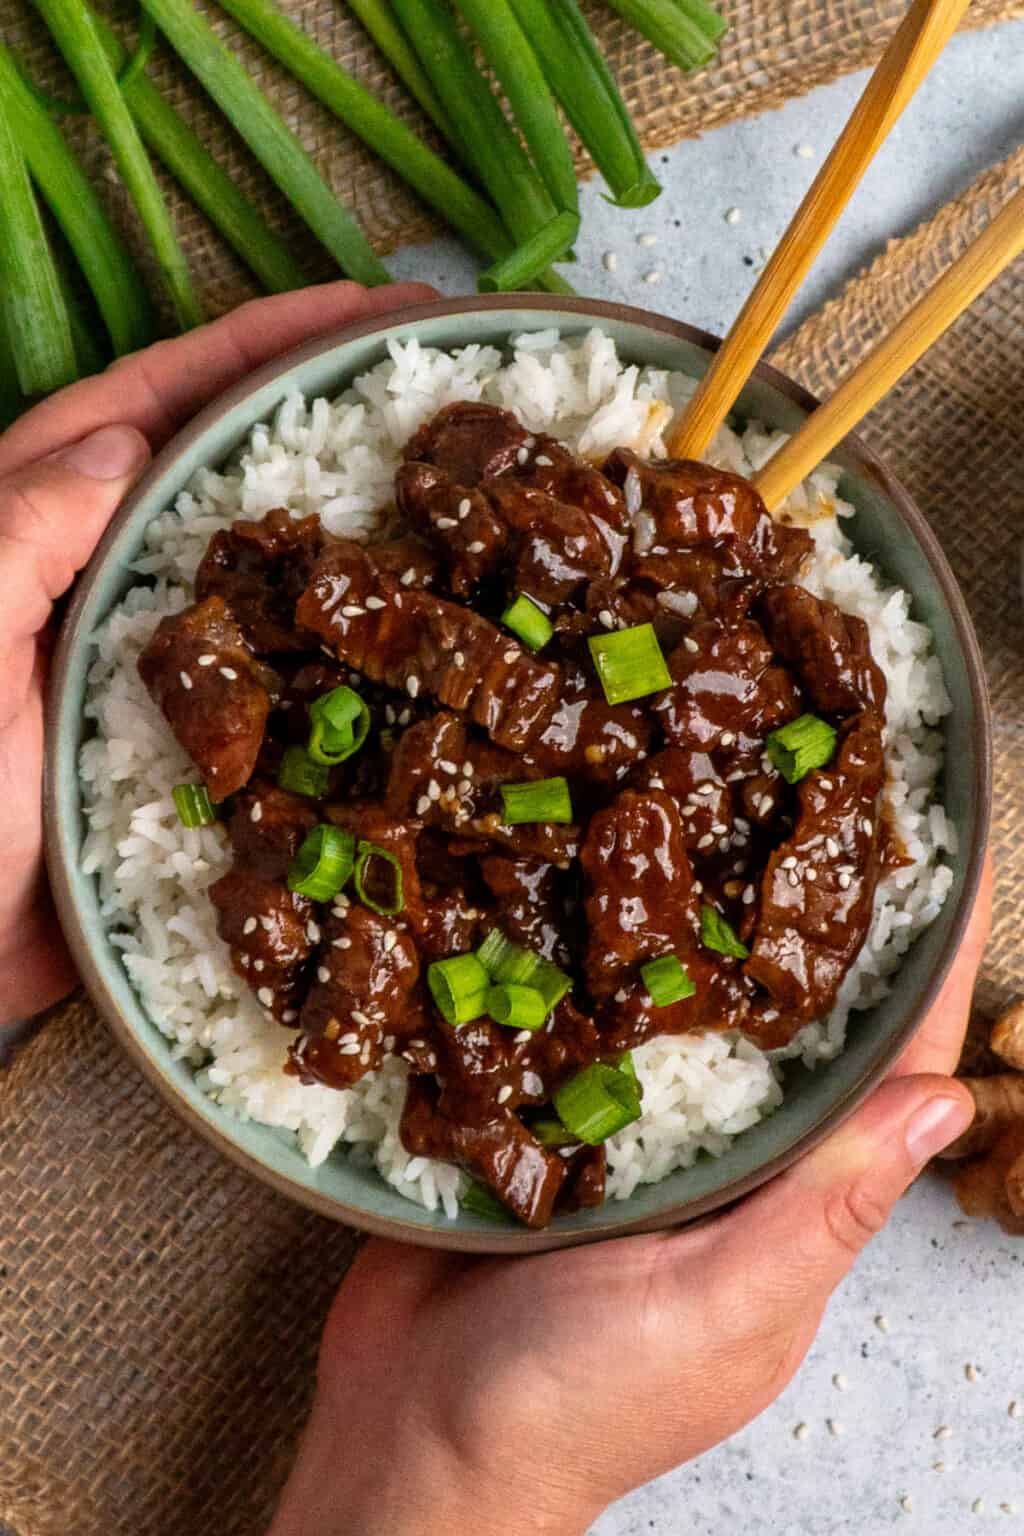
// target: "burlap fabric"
[[776, 49], [159, 1310]]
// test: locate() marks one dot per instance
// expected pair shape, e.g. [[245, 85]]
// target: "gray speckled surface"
[[951, 1294]]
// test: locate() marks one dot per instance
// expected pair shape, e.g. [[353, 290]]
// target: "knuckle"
[[853, 1215]]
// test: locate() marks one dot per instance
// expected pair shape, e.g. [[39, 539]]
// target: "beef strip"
[[215, 694], [267, 828], [587, 739], [557, 545], [261, 569], [704, 799], [459, 518], [414, 641], [830, 650], [363, 1000], [471, 441], [693, 506], [728, 692], [530, 906], [818, 890], [585, 1169], [271, 931]]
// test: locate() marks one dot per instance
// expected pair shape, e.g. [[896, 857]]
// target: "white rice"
[[338, 458]]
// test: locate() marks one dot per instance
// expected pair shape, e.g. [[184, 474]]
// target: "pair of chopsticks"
[[921, 37]]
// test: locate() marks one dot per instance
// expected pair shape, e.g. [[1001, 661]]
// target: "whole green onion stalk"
[[687, 32], [377, 18]]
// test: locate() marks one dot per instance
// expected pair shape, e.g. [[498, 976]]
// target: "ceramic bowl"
[[888, 528]]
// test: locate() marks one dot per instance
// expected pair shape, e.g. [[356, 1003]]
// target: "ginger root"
[[990, 1182]]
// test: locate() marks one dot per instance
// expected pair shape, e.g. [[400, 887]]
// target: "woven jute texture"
[[776, 49], [159, 1310]]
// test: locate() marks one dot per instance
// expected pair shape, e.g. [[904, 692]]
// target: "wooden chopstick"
[[920, 38], [980, 264]]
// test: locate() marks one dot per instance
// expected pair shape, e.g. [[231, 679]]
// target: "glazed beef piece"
[[587, 739], [363, 999], [703, 798], [639, 888], [728, 690], [585, 1169], [693, 506], [460, 518], [416, 642], [499, 1151], [471, 441], [261, 569], [267, 828], [409, 560], [830, 650], [215, 694], [818, 889], [271, 931], [529, 906]]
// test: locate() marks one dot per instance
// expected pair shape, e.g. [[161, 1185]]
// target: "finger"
[[811, 1223], [51, 514], [386, 1285], [157, 390], [936, 1046]]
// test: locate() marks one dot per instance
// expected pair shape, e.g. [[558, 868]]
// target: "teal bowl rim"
[[513, 1240]]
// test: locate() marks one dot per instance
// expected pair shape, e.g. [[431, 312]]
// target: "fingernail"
[[108, 454], [934, 1126]]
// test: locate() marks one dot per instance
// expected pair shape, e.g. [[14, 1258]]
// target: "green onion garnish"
[[528, 623], [551, 1133], [366, 855], [517, 1007], [510, 964], [717, 934], [801, 746], [687, 32], [340, 725], [598, 1102], [629, 663], [666, 980], [192, 803], [459, 987], [538, 800], [479, 1201], [625, 1063], [301, 776], [323, 863]]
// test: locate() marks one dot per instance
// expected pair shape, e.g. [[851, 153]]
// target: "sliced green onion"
[[517, 1007], [207, 184], [552, 1133], [192, 803], [459, 987], [367, 854], [323, 863], [801, 746], [629, 663], [687, 32], [511, 964], [385, 134], [72, 26], [495, 152], [111, 274], [583, 83], [35, 314], [510, 54], [479, 1201], [719, 935], [378, 20], [300, 775], [340, 725], [526, 263], [666, 980], [528, 622], [274, 145], [597, 1103], [537, 800], [625, 1063]]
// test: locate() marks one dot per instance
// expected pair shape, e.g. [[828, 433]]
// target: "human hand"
[[524, 1395], [64, 468]]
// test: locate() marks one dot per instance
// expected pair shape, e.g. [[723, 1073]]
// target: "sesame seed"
[[907, 1504], [789, 863], [691, 645], [405, 717], [532, 1085], [522, 455], [510, 656], [375, 602], [467, 769], [408, 577], [459, 659], [942, 1433], [718, 828], [707, 788], [727, 738], [825, 783], [804, 152], [971, 1372], [412, 686], [812, 875], [653, 276], [353, 611], [265, 996], [733, 216], [543, 462], [620, 996], [834, 1427], [867, 827], [229, 673], [446, 765], [831, 847], [464, 786], [323, 975], [186, 681], [257, 965], [389, 941], [523, 1037], [605, 617], [250, 925], [465, 505], [647, 240], [343, 943], [840, 1382], [844, 881], [476, 547], [705, 841], [735, 776], [444, 522], [748, 895], [767, 804], [610, 261], [801, 1432], [351, 1049], [433, 790], [422, 805], [882, 1323], [504, 1094], [360, 1018], [313, 932]]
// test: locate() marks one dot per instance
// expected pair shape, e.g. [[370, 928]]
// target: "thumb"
[[813, 1221], [52, 513]]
